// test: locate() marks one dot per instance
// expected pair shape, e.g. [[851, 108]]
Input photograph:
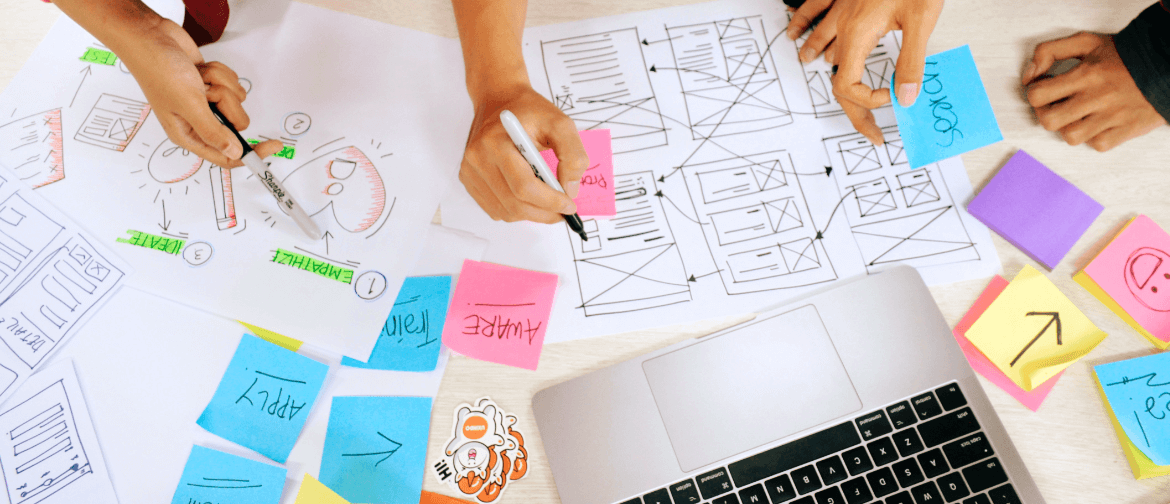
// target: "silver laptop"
[[856, 395]]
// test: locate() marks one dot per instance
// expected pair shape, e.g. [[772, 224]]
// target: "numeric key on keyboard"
[[754, 494], [856, 491], [985, 475], [684, 492], [902, 415], [932, 463], [712, 483], [805, 479], [857, 461], [780, 489], [873, 425], [908, 442], [907, 472], [830, 495], [1004, 495], [926, 406], [832, 470], [950, 397], [968, 449], [952, 487], [882, 451], [882, 482]]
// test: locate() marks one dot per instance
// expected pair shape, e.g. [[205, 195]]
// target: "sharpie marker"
[[275, 188], [539, 168]]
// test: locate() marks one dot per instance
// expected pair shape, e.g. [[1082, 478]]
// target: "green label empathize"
[[160, 243], [313, 266]]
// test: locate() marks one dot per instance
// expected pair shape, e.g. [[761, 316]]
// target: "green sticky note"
[[312, 265], [171, 246], [99, 56]]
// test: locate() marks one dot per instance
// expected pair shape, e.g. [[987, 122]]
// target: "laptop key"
[[754, 495], [927, 493], [857, 461], [926, 406], [1004, 495], [968, 449], [985, 475], [952, 487], [856, 491], [660, 496], [832, 470], [712, 483], [901, 415], [908, 473], [932, 463], [948, 427], [805, 479], [950, 397], [901, 498], [794, 454], [908, 442], [978, 499], [882, 482], [882, 451], [805, 500], [830, 495], [726, 499], [635, 500], [873, 425], [780, 489], [684, 492]]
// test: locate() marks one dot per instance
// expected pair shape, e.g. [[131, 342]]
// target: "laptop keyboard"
[[928, 449]]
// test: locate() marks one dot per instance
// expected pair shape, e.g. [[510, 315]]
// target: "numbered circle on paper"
[[297, 123], [197, 253], [246, 84], [370, 285]]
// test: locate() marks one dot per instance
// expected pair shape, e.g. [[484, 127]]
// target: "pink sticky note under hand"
[[500, 314], [982, 365], [596, 198]]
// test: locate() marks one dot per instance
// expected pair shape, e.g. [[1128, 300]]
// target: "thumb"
[[571, 157], [911, 62], [213, 133], [1049, 52]]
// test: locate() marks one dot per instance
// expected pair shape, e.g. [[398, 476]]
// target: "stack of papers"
[[1136, 398], [1132, 277]]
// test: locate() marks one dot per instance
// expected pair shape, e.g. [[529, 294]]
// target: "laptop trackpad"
[[751, 386]]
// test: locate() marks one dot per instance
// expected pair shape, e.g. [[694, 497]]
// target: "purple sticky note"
[[1037, 210]]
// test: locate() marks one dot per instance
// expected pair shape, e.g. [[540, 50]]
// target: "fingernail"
[[907, 94], [791, 34], [806, 54], [569, 208], [1028, 73], [572, 189], [234, 151]]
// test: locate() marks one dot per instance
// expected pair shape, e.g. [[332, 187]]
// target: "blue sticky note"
[[952, 114], [413, 332], [376, 447], [215, 476], [264, 398], [1138, 391]]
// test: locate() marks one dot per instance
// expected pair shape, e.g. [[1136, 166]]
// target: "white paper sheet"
[[376, 115], [50, 454], [722, 139]]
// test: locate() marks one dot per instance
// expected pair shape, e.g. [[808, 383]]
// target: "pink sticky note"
[[596, 198], [500, 314], [1134, 270], [982, 365]]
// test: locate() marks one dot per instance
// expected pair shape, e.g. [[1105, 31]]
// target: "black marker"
[[528, 149]]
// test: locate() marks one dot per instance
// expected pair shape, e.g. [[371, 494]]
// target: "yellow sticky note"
[[1032, 331], [314, 492], [274, 338]]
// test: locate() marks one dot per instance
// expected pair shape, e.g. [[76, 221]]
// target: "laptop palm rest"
[[737, 391]]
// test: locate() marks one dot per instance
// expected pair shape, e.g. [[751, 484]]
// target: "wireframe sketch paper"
[[1128, 275], [596, 198], [264, 398], [1137, 393], [49, 451], [411, 338], [53, 278], [739, 182], [375, 449], [212, 237], [952, 114], [215, 476], [1037, 210], [1032, 331], [500, 314], [314, 492]]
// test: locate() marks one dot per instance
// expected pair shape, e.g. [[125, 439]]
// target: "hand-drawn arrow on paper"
[[1054, 320]]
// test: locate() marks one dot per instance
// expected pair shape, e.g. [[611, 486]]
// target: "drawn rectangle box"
[[113, 122], [46, 453], [726, 183], [874, 197], [23, 238], [917, 188], [756, 221]]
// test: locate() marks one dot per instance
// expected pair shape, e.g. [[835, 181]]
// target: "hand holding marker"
[[539, 168]]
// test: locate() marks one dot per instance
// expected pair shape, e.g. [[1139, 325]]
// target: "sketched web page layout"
[[739, 181], [364, 155]]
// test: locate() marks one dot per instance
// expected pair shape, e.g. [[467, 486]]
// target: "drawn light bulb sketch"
[[345, 185], [170, 163]]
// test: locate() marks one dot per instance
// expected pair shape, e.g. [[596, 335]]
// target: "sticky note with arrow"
[[1032, 331]]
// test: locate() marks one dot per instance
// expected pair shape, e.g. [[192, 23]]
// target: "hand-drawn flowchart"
[[739, 181], [75, 124]]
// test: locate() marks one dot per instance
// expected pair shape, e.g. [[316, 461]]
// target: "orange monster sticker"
[[485, 452]]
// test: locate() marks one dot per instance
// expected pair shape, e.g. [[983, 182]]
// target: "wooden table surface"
[[1068, 445]]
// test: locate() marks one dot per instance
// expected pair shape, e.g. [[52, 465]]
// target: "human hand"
[[499, 178], [848, 33], [1097, 102], [178, 83]]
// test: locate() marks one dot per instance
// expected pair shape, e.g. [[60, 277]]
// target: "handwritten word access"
[[952, 114], [411, 337], [376, 447], [218, 477], [264, 398], [500, 314], [1138, 392], [598, 196]]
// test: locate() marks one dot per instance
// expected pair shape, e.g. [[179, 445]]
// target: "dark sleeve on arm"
[[1144, 47]]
